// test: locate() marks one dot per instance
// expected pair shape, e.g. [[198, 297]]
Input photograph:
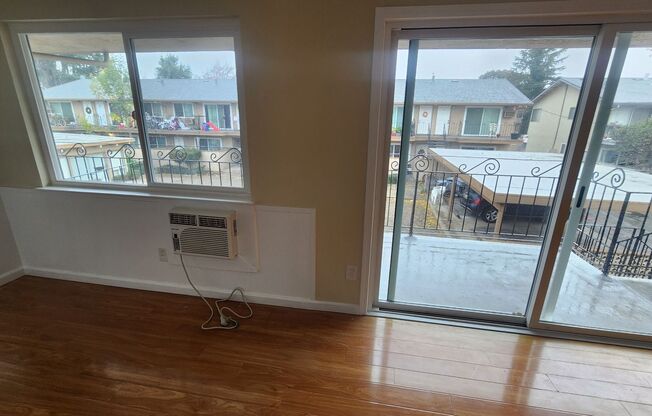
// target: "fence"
[[178, 165], [612, 235]]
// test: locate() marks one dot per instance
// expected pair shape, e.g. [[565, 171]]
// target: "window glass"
[[86, 94], [536, 114], [194, 79], [183, 110]]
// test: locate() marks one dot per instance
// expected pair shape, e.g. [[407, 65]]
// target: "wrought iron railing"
[[461, 129], [481, 203], [178, 165]]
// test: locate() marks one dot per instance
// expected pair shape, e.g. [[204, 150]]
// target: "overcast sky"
[[199, 62], [471, 63]]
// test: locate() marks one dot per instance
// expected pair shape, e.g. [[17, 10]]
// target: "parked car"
[[482, 208], [460, 186]]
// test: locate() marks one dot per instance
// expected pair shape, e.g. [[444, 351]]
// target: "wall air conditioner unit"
[[204, 233]]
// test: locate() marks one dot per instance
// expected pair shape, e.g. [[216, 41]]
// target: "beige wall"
[[552, 130], [307, 71]]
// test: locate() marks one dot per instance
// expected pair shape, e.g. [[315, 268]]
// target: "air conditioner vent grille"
[[183, 219], [208, 242], [213, 222]]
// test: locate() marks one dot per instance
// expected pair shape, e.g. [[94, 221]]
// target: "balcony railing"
[[152, 123], [613, 235], [176, 165], [461, 129]]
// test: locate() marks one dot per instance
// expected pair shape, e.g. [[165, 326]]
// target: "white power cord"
[[226, 321]]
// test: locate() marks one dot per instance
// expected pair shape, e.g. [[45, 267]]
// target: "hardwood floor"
[[78, 349]]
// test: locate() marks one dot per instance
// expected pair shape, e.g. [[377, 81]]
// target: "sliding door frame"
[[630, 15], [471, 34]]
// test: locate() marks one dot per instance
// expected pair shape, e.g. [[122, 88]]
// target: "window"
[[62, 113], [482, 121], [218, 116], [536, 115], [96, 131], [571, 113], [394, 150], [210, 144], [183, 110], [153, 109], [397, 118], [157, 142]]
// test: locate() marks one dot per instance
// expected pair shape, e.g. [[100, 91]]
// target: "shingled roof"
[[462, 91], [630, 90], [206, 90]]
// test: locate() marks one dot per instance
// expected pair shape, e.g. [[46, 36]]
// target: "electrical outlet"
[[163, 255], [351, 272]]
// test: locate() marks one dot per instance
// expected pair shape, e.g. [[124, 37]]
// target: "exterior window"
[[93, 124], [183, 110], [89, 80], [482, 121], [397, 118], [536, 115], [210, 145], [571, 113], [62, 113], [157, 142], [218, 115], [153, 109], [394, 150]]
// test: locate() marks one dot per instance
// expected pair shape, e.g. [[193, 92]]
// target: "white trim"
[[151, 285], [11, 275]]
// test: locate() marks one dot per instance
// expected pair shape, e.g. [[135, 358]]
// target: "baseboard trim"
[[11, 275], [150, 285]]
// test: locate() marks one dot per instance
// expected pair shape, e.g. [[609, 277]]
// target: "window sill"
[[244, 199]]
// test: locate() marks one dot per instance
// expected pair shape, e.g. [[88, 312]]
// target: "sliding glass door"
[[602, 275], [527, 198], [468, 202]]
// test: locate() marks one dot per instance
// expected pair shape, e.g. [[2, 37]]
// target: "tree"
[[533, 70], [112, 84], [541, 65], [220, 71], [634, 145], [169, 67], [53, 72], [518, 79]]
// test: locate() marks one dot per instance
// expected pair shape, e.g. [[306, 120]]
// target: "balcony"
[[472, 233], [461, 130], [170, 165], [155, 125]]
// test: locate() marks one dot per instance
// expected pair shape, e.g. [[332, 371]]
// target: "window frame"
[[35, 112], [151, 105], [183, 109], [483, 108]]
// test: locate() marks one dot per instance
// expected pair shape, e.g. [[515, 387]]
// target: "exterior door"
[[442, 121], [89, 113], [100, 110], [424, 119]]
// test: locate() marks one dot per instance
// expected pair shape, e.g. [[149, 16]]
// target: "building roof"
[[462, 91], [64, 138], [203, 90], [630, 90]]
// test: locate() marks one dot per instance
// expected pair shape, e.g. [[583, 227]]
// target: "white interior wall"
[[114, 239], [10, 264]]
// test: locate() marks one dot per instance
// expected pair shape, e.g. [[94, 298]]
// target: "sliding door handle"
[[580, 196]]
